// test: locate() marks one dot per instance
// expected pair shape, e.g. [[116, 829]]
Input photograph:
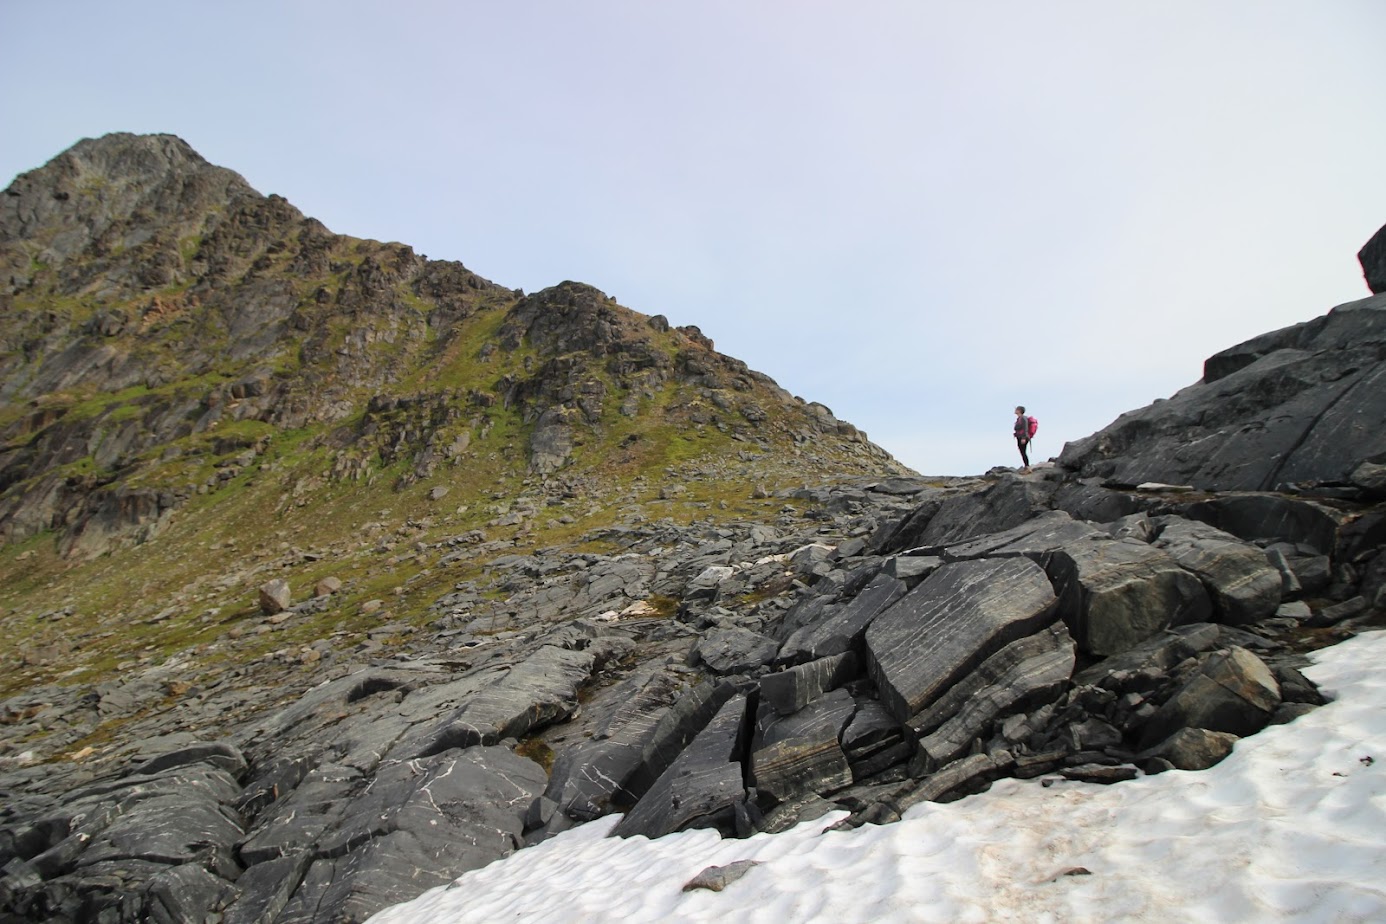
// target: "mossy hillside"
[[285, 517]]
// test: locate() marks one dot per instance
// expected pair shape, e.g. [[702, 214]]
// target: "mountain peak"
[[108, 195]]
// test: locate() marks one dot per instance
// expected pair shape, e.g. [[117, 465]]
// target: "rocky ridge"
[[168, 327], [866, 645]]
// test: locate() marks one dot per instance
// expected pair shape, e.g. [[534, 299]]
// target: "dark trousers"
[[1023, 444]]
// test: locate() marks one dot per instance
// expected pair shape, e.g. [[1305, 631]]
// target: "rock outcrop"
[[1372, 256], [1296, 407], [865, 645]]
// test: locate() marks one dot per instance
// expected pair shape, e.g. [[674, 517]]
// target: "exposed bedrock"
[[1297, 406]]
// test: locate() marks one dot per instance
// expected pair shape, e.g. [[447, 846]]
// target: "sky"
[[1291, 827], [919, 214]]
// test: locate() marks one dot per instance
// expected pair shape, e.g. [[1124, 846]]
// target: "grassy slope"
[[190, 588]]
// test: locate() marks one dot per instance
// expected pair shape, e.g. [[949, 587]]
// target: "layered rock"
[[704, 785], [959, 616]]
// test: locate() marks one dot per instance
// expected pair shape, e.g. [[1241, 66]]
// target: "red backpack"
[[1032, 424]]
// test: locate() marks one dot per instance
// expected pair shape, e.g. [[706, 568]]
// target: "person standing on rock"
[[1022, 437]]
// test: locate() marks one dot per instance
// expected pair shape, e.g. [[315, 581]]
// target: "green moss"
[[537, 749]]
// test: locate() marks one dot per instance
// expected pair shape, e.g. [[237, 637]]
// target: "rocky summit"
[[332, 571]]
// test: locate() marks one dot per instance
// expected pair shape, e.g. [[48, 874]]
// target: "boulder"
[[185, 893], [952, 622], [1043, 533], [1193, 748], [874, 740], [327, 586], [419, 824], [1094, 503], [681, 724], [1008, 503], [1243, 585], [1338, 612], [1114, 594], [1233, 691], [1158, 654], [274, 596], [589, 779], [1270, 518], [911, 569], [717, 878], [265, 888]]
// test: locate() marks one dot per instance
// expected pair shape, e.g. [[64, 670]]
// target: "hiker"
[[1024, 431]]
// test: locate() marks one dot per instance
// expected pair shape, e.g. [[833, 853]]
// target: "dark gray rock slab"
[[679, 726], [874, 742], [1102, 774], [790, 690], [734, 650], [1243, 585], [952, 622], [795, 755], [185, 893], [418, 825], [1094, 503], [1371, 478], [1338, 612], [839, 629], [806, 611], [182, 816], [1288, 712], [540, 690], [871, 724], [590, 779], [297, 822], [786, 815], [1008, 503], [220, 754], [1115, 594], [702, 786], [897, 534], [959, 774], [1233, 691], [265, 888], [1022, 675], [1046, 532], [1137, 526], [911, 569]]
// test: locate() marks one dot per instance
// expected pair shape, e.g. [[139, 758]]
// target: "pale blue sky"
[[919, 214]]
